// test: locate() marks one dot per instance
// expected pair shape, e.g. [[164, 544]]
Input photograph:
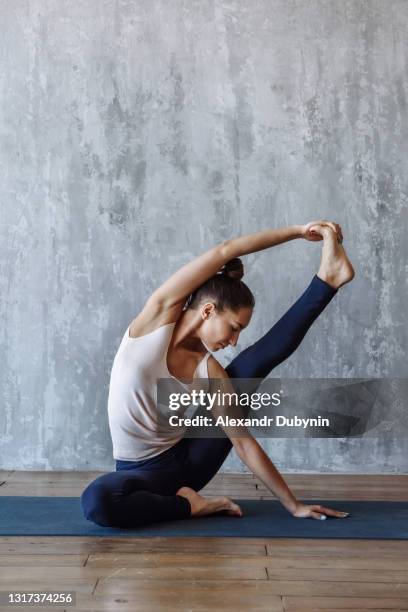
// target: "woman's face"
[[221, 329]]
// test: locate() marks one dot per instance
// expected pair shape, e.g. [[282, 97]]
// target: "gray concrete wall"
[[134, 135]]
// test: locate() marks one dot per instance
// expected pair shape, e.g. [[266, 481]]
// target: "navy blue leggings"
[[142, 492]]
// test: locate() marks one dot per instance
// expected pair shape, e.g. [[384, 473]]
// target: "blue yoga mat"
[[62, 516]]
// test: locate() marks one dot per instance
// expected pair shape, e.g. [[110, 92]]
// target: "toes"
[[236, 509]]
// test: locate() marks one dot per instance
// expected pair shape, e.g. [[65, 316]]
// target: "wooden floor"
[[113, 573]]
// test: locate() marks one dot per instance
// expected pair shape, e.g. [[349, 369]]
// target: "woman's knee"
[[96, 502]]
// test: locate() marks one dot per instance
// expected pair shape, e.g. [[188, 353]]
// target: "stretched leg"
[[284, 337], [205, 457]]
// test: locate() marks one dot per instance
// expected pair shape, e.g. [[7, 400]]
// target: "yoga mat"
[[62, 516]]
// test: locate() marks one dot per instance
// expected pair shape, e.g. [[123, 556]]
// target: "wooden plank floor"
[[204, 574]]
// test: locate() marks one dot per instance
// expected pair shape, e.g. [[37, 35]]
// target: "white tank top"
[[132, 408]]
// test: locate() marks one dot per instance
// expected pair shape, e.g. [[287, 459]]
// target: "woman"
[[203, 307]]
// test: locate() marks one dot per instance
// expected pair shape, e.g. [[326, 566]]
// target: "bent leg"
[[131, 498], [284, 337], [205, 457]]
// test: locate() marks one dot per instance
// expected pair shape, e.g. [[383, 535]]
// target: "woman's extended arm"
[[178, 287], [252, 454]]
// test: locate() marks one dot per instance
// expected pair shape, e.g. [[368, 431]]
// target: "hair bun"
[[233, 268]]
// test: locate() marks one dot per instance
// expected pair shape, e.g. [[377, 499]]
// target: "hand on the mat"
[[316, 512], [309, 232]]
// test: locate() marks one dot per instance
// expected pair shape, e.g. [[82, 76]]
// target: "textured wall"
[[134, 135]]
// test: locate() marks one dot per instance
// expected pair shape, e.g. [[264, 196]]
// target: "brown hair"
[[225, 288]]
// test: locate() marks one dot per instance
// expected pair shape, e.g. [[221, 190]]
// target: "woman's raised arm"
[[188, 278]]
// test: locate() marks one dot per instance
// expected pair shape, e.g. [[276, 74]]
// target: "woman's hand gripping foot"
[[335, 267]]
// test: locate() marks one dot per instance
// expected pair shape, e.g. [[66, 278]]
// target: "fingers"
[[238, 509], [318, 516], [335, 513], [322, 511], [316, 231], [339, 233], [321, 226], [235, 510], [333, 226], [319, 513]]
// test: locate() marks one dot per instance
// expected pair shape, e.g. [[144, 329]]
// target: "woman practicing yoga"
[[202, 307]]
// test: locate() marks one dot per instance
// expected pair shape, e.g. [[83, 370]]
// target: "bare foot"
[[335, 267], [202, 506]]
